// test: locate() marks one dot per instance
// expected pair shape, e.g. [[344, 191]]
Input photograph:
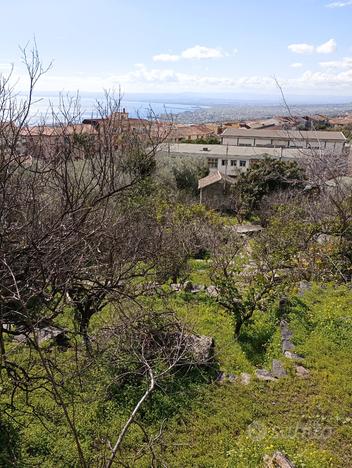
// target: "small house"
[[215, 191]]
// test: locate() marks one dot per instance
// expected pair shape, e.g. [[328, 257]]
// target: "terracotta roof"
[[347, 119], [63, 130], [214, 177], [189, 130], [284, 134]]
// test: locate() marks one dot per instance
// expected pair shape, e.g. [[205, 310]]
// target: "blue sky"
[[156, 46]]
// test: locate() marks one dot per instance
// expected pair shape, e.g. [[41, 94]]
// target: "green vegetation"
[[212, 140], [115, 285], [262, 179]]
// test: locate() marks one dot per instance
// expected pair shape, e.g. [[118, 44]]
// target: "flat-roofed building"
[[229, 160], [265, 138]]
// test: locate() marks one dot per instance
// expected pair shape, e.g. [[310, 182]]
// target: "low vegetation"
[[138, 328]]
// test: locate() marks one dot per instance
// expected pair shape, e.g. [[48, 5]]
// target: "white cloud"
[[194, 53], [335, 78], [201, 52], [301, 48], [296, 65], [339, 4], [166, 58], [346, 62], [168, 79], [327, 48]]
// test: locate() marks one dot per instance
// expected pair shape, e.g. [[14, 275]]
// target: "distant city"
[[191, 108], [231, 112]]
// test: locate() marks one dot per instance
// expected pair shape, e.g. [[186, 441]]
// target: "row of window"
[[213, 162], [288, 144]]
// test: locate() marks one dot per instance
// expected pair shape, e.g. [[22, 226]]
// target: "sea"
[[182, 108], [89, 106]]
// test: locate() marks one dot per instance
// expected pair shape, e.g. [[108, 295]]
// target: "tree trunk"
[[83, 328], [238, 326]]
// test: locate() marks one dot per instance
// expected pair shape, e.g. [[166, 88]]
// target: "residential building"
[[227, 159], [46, 142], [181, 133], [319, 140], [215, 191]]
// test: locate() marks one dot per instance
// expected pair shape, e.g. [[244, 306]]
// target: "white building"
[[229, 160], [239, 148], [318, 140]]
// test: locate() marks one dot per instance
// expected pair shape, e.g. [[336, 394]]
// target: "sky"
[[183, 46]]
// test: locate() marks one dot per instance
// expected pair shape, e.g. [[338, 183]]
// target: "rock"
[[265, 375], [277, 369], [20, 338], [295, 356], [283, 303], [49, 333], [286, 333], [231, 378], [212, 291], [287, 345], [200, 348], [222, 377], [302, 372], [303, 287], [175, 286], [278, 460], [197, 288], [58, 335], [187, 286], [245, 378]]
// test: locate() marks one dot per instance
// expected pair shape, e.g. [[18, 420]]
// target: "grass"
[[232, 425], [208, 424]]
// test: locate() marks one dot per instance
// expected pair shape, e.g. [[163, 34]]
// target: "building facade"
[[318, 140], [229, 160]]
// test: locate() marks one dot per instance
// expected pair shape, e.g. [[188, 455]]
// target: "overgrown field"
[[193, 420]]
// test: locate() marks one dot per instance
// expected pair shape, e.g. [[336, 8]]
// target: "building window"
[[223, 162], [243, 163], [233, 162], [212, 162]]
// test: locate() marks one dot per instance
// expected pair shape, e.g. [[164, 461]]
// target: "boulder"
[[245, 378], [52, 333], [212, 291], [175, 286], [231, 377], [197, 288], [286, 333], [302, 372], [263, 374], [294, 356], [278, 460], [287, 345], [303, 287], [277, 369], [222, 377], [188, 286], [200, 348]]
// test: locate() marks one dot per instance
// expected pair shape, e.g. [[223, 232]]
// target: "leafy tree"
[[262, 178], [242, 288], [212, 140], [187, 176]]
